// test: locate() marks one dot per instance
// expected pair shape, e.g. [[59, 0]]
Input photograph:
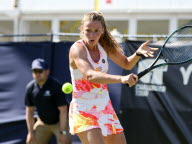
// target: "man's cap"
[[39, 64]]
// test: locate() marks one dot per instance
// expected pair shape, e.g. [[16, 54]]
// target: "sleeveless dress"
[[91, 106]]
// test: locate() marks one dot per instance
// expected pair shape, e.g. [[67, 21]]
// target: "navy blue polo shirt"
[[46, 99]]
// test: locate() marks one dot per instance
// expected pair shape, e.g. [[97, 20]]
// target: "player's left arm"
[[125, 62], [129, 62]]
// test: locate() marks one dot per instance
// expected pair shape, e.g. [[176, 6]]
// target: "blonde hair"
[[107, 41]]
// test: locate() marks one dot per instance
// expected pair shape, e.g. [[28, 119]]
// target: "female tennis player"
[[91, 114]]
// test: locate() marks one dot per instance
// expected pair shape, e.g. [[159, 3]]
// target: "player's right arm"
[[30, 123]]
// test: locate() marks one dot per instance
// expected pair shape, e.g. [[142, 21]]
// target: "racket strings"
[[178, 48]]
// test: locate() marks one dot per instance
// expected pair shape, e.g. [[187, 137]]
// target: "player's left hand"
[[145, 50]]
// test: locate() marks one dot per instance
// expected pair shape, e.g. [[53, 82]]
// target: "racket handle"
[[141, 74]]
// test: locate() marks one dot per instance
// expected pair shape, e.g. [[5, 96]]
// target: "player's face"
[[40, 75], [92, 31]]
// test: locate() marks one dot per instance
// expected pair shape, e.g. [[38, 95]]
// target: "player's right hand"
[[130, 79]]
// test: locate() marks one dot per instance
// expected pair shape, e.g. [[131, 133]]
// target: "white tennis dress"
[[91, 106]]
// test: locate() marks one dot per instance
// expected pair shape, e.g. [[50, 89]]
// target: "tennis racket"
[[177, 49]]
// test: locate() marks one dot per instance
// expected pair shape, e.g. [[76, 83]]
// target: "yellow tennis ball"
[[67, 88]]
